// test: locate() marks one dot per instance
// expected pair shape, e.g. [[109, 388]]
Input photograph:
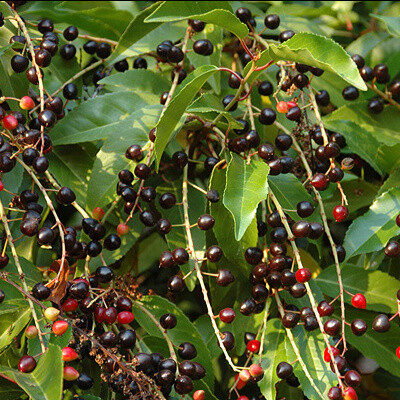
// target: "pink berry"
[[291, 104], [282, 107], [69, 354], [70, 373], [59, 327], [255, 370], [349, 394], [27, 103], [244, 375], [122, 229], [199, 395], [98, 213]]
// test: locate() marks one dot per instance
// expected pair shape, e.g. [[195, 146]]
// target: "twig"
[[20, 271], [383, 95], [296, 253], [192, 250], [53, 211]]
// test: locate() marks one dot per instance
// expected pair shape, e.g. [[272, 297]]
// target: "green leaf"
[[215, 12], [288, 190], [224, 227], [178, 105], [246, 186], [110, 159], [379, 288], [377, 346], [372, 231], [71, 166], [392, 23], [312, 348], [45, 382], [111, 116], [96, 21], [321, 52], [137, 80], [184, 330], [135, 31], [274, 353], [214, 34]]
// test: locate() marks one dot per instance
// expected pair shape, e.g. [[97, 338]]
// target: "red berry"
[[227, 315], [349, 394], [291, 104], [255, 370], [59, 327], [26, 364], [282, 107], [69, 354], [398, 352], [242, 397], [253, 346], [69, 305], [125, 317], [199, 395], [110, 315], [98, 213], [99, 314], [10, 122], [1, 186], [340, 213], [122, 229], [70, 373], [327, 356], [27, 103], [319, 181], [244, 375], [31, 332], [239, 383], [359, 301], [303, 275]]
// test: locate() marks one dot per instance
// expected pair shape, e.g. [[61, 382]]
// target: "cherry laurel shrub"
[[199, 200]]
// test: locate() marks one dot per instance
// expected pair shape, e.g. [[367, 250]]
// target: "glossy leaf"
[[216, 12], [178, 106], [246, 186], [224, 227], [45, 382], [376, 227], [379, 288], [112, 116], [321, 52]]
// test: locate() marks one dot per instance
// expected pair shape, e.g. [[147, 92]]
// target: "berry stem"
[[160, 328], [53, 211], [383, 95], [296, 349], [296, 254], [189, 239], [20, 271]]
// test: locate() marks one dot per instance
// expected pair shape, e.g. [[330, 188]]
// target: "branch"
[[192, 251], [296, 253], [383, 95], [20, 272]]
